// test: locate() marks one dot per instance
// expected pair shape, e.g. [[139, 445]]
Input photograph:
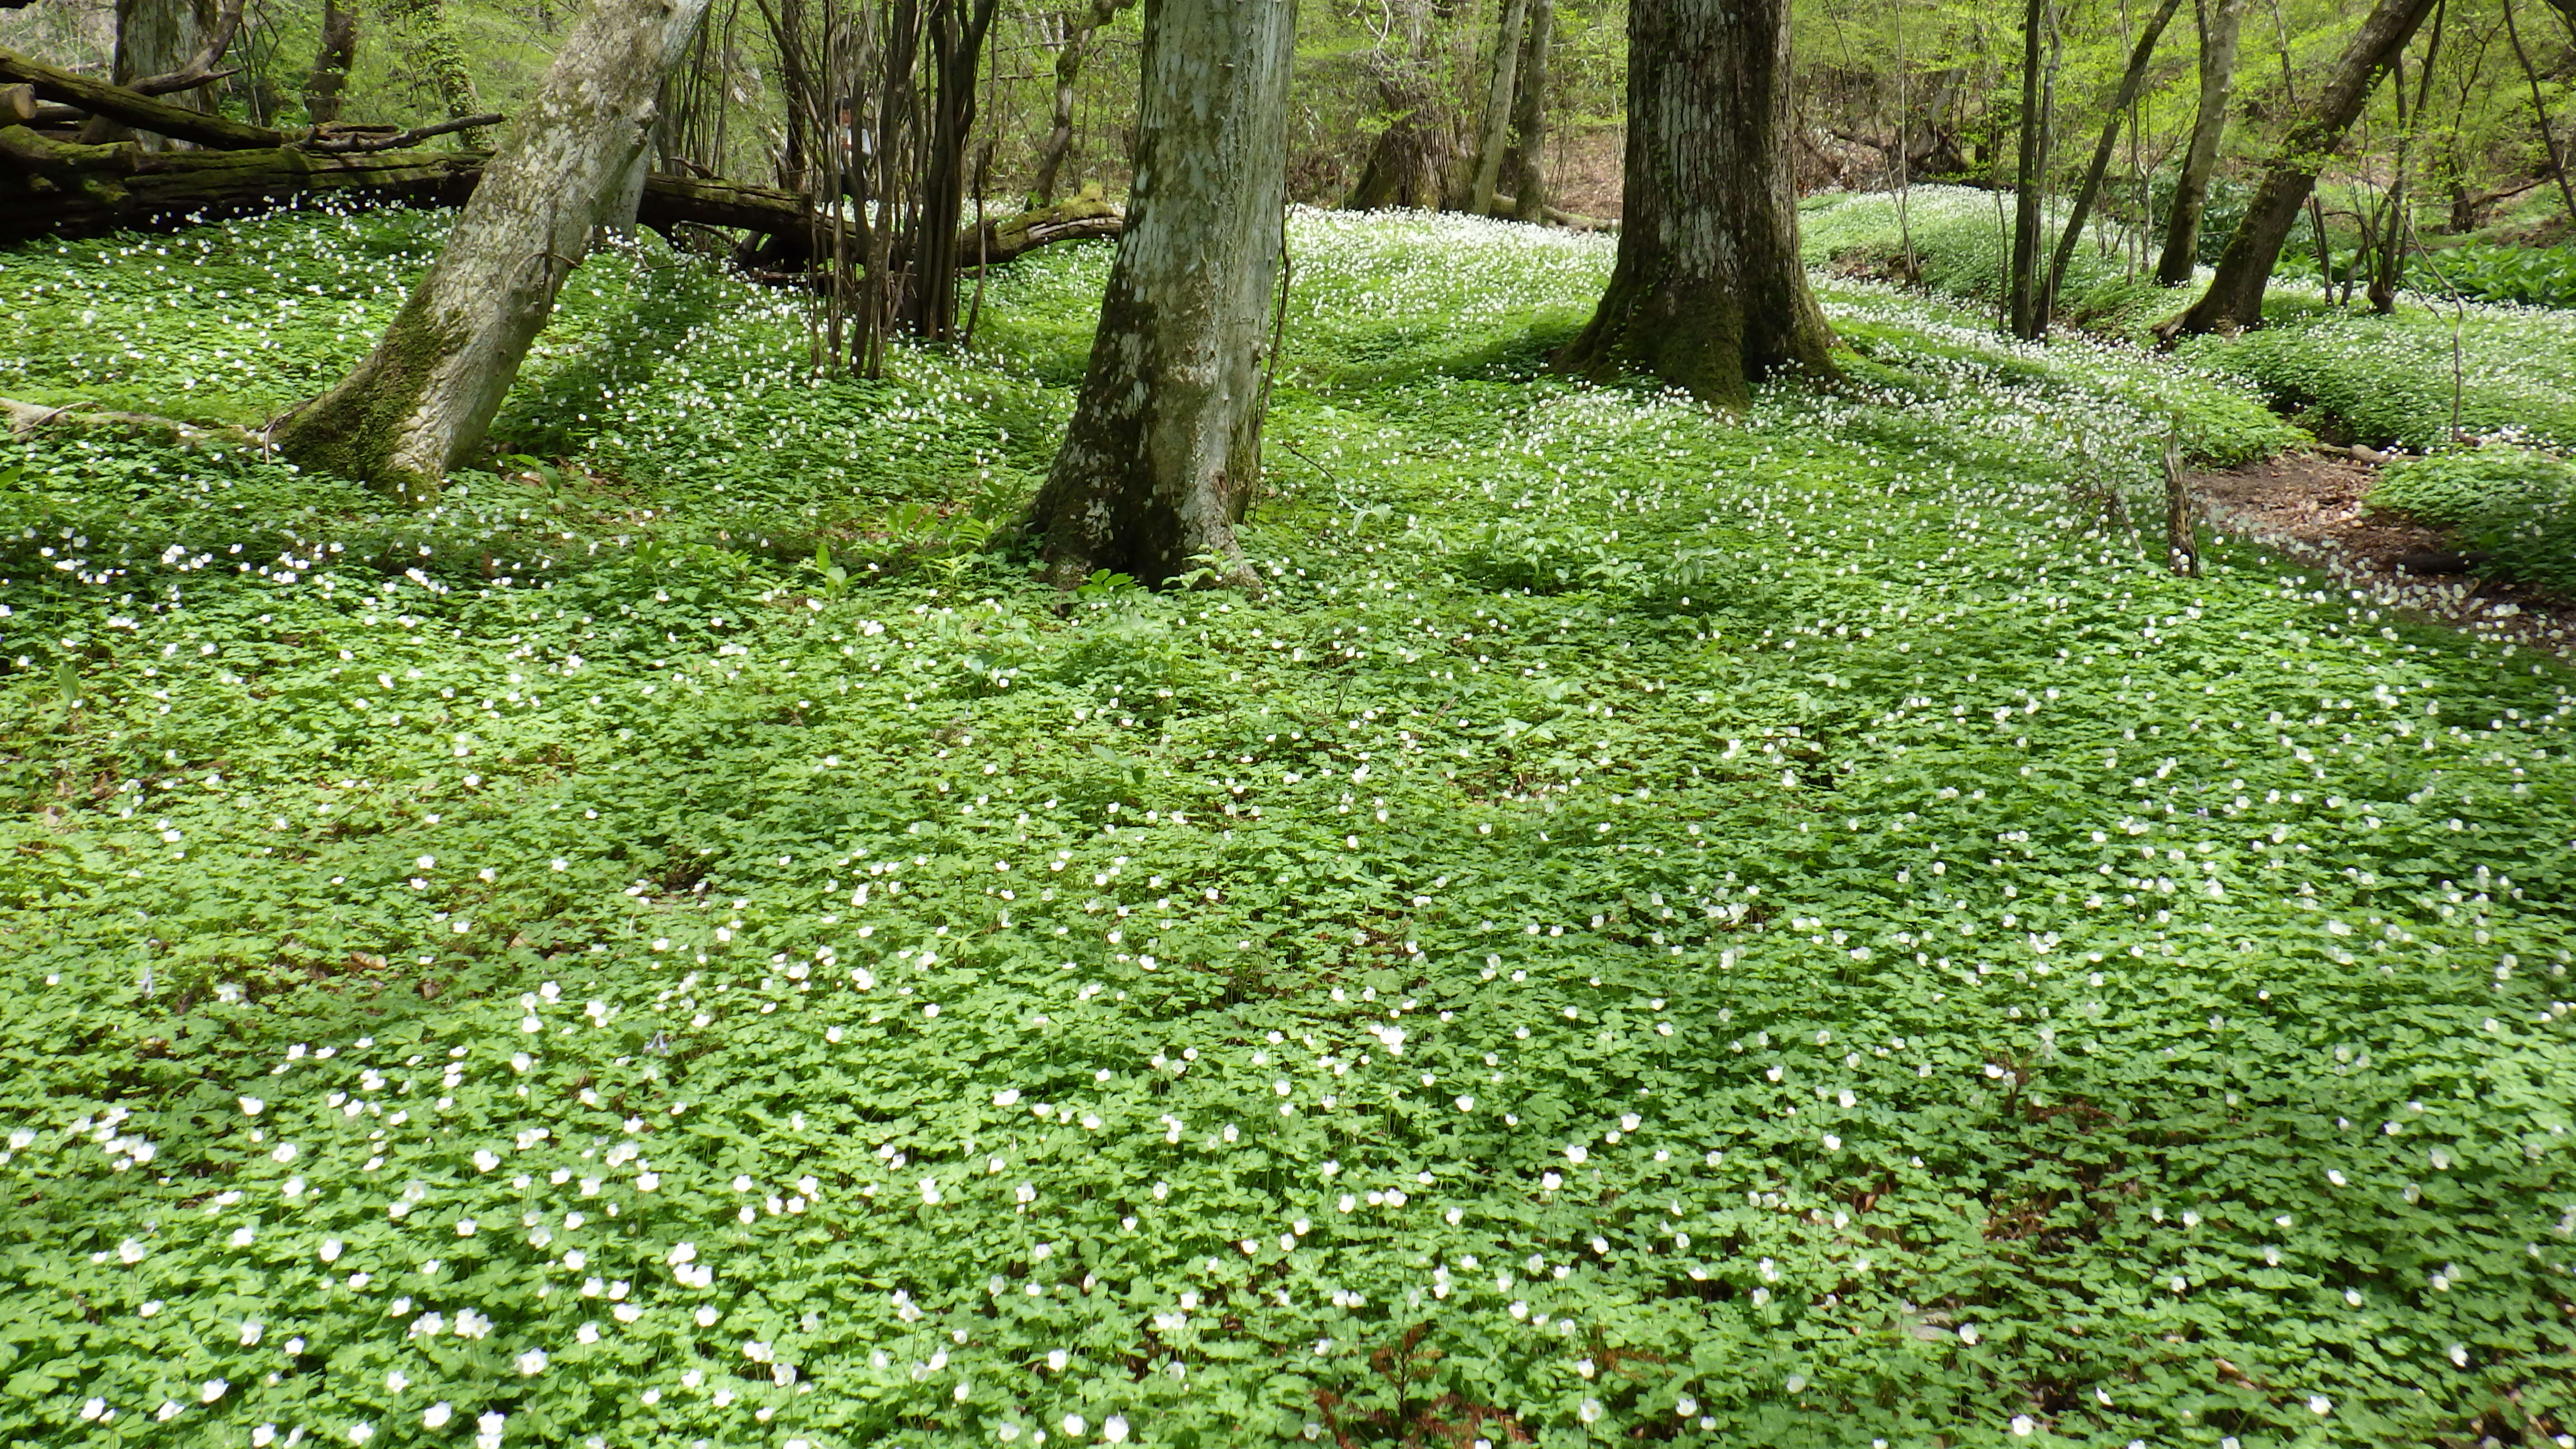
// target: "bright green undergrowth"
[[2512, 502], [1789, 930], [2371, 379]]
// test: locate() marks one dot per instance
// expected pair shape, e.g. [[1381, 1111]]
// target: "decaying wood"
[[1006, 239], [134, 108]]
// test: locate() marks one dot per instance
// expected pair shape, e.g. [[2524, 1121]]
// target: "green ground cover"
[[1788, 930], [2366, 379]]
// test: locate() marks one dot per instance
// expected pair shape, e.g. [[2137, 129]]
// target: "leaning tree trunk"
[[1498, 106], [332, 61], [422, 399], [1708, 291], [2235, 295], [2131, 81], [1164, 447], [2219, 29], [1525, 161]]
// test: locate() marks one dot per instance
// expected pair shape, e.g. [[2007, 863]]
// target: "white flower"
[[1576, 1154], [129, 1251], [211, 1390], [533, 1362], [470, 1324], [437, 1415], [330, 1250], [285, 1153], [250, 1333], [464, 1227], [2023, 1424], [93, 1410], [1589, 1411], [2320, 1404], [1008, 1097], [361, 1433], [1075, 1424], [484, 1161], [252, 1106], [1114, 1429]]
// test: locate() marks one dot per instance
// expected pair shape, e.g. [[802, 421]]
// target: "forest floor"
[[2311, 506], [1792, 929]]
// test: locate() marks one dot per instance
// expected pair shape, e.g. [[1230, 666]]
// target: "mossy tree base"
[[1708, 292]]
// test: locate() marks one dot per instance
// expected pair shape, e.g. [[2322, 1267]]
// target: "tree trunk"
[[2235, 295], [441, 57], [1164, 448], [1498, 106], [1069, 57], [332, 61], [2023, 285], [2540, 110], [1410, 162], [2131, 81], [155, 37], [2219, 29], [1707, 292], [1525, 162], [421, 400], [955, 52]]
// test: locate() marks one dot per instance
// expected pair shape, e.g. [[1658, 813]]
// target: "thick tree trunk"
[[421, 400], [2023, 283], [2219, 29], [332, 61], [1525, 161], [156, 37], [2235, 295], [2131, 81], [1164, 447], [1707, 292], [1498, 105], [1411, 161]]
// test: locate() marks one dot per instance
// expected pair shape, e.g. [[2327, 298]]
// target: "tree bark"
[[2131, 81], [1164, 448], [1707, 292], [422, 399], [1525, 161], [2235, 295], [2023, 284], [156, 37], [332, 61], [2540, 110], [1498, 105], [955, 52], [1411, 161], [2219, 29]]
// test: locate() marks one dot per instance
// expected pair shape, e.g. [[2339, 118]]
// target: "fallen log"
[[1006, 239], [133, 108], [63, 189]]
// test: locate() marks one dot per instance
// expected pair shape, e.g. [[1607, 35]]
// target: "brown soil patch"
[[2310, 507], [1584, 170]]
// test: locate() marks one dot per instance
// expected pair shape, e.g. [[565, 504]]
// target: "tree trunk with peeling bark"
[[2235, 295], [1164, 447], [1708, 292], [420, 402], [2218, 34]]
